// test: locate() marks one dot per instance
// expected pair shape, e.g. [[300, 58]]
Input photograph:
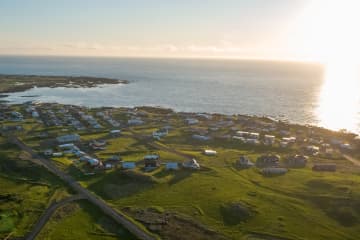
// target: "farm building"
[[244, 162], [209, 152], [312, 150], [152, 161], [193, 164], [297, 161], [269, 160]]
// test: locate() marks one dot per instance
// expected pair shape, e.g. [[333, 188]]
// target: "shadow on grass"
[[120, 184], [176, 175]]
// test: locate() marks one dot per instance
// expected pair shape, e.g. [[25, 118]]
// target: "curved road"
[[117, 216], [48, 213]]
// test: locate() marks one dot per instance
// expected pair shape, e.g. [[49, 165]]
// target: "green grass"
[[26, 190], [82, 221], [285, 206]]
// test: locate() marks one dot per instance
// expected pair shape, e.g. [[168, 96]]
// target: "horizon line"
[[213, 58]]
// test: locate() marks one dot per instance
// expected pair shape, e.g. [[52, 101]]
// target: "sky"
[[162, 28]]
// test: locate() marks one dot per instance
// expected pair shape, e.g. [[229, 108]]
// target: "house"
[[172, 166], [312, 150], [284, 144], [346, 147], [244, 162], [192, 164], [57, 154], [205, 116], [135, 122], [48, 152], [68, 138], [209, 152], [242, 133], [241, 139], [98, 144], [269, 140], [152, 161], [85, 158], [16, 116], [108, 166], [324, 167], [35, 114], [160, 133], [274, 171], [200, 137], [67, 146], [93, 162], [114, 158], [254, 135], [191, 121], [289, 139], [296, 161], [115, 133], [252, 141], [79, 153], [128, 165], [269, 160]]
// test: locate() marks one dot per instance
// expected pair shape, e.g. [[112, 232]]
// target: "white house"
[[57, 154], [191, 121], [209, 152], [242, 139], [269, 139], [193, 164], [116, 132], [93, 162]]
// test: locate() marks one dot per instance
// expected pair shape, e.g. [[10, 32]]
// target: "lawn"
[[81, 220], [26, 191]]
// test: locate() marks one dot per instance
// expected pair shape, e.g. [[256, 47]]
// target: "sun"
[[327, 31]]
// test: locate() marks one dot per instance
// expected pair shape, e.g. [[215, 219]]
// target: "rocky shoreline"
[[21, 83]]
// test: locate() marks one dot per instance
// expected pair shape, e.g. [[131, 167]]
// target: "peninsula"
[[20, 83]]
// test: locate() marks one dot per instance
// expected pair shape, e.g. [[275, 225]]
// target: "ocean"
[[282, 90]]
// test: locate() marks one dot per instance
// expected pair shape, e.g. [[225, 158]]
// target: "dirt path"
[[119, 217], [48, 213]]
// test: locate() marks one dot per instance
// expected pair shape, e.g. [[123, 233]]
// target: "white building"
[[210, 152]]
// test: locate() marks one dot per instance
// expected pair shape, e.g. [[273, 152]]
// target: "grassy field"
[[81, 220], [26, 190], [281, 207]]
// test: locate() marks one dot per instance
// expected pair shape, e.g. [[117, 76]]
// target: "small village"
[[64, 133], [169, 164]]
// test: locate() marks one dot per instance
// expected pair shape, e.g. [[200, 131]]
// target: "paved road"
[[353, 160], [48, 213], [117, 216]]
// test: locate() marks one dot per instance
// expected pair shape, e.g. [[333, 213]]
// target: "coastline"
[[22, 83]]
